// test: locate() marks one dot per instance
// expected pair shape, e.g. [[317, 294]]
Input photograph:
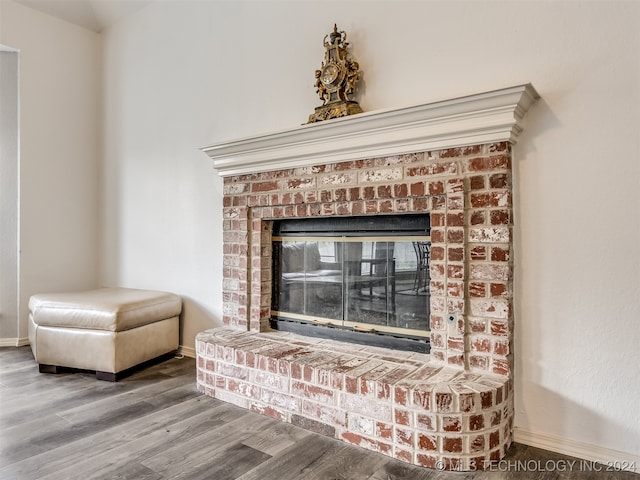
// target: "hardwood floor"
[[154, 425]]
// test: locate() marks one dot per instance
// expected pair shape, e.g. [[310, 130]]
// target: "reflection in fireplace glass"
[[357, 274]]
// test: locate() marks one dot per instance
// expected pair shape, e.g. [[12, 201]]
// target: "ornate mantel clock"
[[336, 79]]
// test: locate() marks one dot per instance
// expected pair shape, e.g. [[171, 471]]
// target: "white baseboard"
[[14, 342], [609, 459], [187, 351]]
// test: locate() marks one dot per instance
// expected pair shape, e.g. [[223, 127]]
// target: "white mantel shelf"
[[475, 119]]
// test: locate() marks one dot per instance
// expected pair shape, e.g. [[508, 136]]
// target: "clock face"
[[330, 74]]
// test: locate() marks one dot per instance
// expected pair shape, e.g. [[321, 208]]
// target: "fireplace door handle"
[[358, 328]]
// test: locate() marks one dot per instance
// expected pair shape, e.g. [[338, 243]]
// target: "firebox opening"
[[363, 280]]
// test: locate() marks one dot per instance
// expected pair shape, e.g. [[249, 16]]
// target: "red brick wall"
[[467, 192], [452, 409]]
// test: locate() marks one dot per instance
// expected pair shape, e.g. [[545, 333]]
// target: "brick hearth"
[[395, 403]]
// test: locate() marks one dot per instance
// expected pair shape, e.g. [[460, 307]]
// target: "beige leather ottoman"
[[108, 330]]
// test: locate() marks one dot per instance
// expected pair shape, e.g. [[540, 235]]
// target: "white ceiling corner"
[[94, 15]]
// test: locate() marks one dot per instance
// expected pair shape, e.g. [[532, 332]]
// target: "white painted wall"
[[182, 74], [60, 82], [178, 75]]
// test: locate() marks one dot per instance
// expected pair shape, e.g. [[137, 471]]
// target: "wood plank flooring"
[[154, 425]]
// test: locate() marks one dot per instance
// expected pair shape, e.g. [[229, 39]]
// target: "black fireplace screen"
[[358, 274]]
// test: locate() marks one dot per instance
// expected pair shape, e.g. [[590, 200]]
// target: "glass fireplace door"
[[363, 283]]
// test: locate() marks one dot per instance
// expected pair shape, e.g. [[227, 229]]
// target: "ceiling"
[[94, 15]]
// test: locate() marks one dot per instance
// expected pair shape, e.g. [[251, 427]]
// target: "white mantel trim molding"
[[475, 119]]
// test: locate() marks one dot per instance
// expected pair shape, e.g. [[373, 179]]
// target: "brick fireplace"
[[451, 409]]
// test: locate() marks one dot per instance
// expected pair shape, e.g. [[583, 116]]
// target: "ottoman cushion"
[[112, 309]]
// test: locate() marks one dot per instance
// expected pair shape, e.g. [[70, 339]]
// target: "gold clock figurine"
[[336, 79]]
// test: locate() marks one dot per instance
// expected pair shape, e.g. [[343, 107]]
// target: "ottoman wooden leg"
[[44, 368], [107, 376]]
